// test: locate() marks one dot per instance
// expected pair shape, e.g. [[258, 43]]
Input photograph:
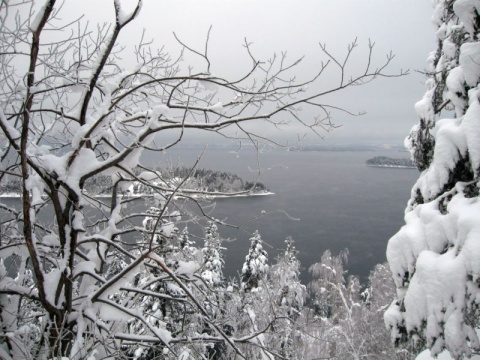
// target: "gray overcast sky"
[[403, 26]]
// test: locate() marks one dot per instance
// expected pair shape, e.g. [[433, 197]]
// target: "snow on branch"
[[90, 273]]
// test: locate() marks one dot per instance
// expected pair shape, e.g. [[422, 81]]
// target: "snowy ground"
[[425, 355]]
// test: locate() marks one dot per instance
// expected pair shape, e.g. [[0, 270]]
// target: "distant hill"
[[383, 161]]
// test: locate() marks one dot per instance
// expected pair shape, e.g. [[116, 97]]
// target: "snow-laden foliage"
[[84, 276], [275, 308], [255, 265], [285, 274], [435, 257], [213, 261], [349, 320], [289, 295]]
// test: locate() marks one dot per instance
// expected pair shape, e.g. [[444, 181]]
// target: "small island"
[[383, 161]]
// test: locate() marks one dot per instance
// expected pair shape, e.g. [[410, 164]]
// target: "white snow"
[[208, 85], [444, 355], [79, 135], [424, 107], [427, 355], [38, 17], [470, 62], [77, 221], [465, 10], [168, 229], [439, 10], [449, 49], [85, 161], [456, 89], [51, 240], [84, 267], [122, 15], [109, 312], [218, 108], [14, 133], [454, 137], [438, 288], [156, 114], [35, 185], [187, 267], [51, 281], [185, 355], [471, 129]]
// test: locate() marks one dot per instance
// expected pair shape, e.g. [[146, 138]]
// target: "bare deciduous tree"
[[69, 112]]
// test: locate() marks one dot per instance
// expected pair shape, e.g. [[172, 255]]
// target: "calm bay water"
[[338, 201], [323, 200]]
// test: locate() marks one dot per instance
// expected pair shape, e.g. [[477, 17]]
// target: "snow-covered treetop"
[[255, 265], [212, 252]]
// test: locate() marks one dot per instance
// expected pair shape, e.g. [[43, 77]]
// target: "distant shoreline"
[[392, 166], [193, 195]]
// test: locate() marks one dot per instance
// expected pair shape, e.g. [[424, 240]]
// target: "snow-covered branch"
[[99, 275]]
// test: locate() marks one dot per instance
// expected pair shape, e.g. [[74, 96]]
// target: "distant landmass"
[[383, 161], [201, 181]]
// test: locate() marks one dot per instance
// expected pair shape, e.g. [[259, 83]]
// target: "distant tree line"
[[200, 179], [210, 180]]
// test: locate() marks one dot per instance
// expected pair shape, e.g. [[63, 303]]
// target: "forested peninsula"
[[203, 181]]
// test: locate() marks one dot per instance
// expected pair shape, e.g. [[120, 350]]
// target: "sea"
[[321, 199]]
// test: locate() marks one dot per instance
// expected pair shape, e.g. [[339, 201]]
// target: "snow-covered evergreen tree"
[[435, 257], [212, 253], [256, 264], [184, 240]]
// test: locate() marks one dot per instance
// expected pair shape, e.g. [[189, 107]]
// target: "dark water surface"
[[337, 200], [340, 203]]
